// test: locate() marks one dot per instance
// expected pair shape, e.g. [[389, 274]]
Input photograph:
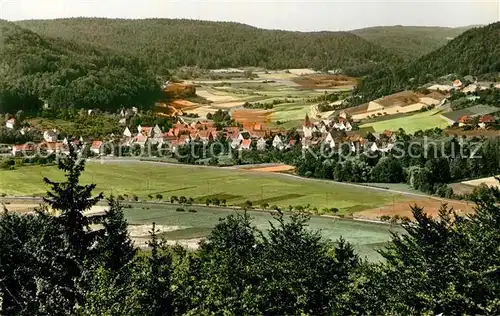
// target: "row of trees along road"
[[57, 265]]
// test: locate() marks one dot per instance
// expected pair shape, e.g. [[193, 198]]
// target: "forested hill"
[[35, 68], [476, 52], [170, 43], [411, 42]]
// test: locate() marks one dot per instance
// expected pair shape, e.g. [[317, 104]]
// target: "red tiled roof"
[[96, 144], [464, 119], [487, 119], [24, 147], [141, 138], [246, 143], [292, 142]]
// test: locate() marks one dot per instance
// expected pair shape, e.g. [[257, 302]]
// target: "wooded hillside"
[[475, 52], [170, 43], [410, 42], [64, 73]]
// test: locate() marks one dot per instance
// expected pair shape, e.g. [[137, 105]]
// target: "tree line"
[[171, 43], [58, 265], [42, 71], [475, 52]]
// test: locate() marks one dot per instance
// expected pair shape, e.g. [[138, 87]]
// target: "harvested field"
[[216, 98], [490, 181], [281, 168], [431, 206], [202, 111], [181, 104], [251, 116]]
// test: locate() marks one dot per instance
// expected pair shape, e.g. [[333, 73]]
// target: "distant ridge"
[[171, 43], [476, 52], [411, 42]]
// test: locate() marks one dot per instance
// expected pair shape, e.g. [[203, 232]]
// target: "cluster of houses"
[[483, 120], [331, 132], [334, 133], [202, 131]]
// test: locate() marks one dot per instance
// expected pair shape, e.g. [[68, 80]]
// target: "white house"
[[122, 121], [50, 136], [277, 142], [339, 126], [343, 115], [235, 143], [10, 123], [329, 140], [156, 132], [127, 132], [261, 144], [348, 127]]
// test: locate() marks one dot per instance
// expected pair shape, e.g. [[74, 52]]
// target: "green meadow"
[[201, 183]]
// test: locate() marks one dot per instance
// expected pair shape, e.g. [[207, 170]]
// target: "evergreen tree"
[[115, 247]]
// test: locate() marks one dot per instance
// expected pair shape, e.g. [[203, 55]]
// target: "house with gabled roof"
[[278, 142], [140, 140], [127, 132], [11, 123], [235, 142], [50, 136], [246, 144], [261, 144], [96, 147], [307, 127], [329, 140], [25, 149]]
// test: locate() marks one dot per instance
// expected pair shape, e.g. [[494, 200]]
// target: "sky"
[[312, 15]]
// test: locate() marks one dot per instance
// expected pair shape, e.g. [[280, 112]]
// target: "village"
[[332, 129]]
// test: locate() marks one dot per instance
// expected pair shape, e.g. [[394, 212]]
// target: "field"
[[412, 123], [430, 206], [188, 228], [235, 186], [490, 181], [292, 94]]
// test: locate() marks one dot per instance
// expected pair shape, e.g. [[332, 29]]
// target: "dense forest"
[[36, 69], [58, 265], [411, 42], [171, 43], [476, 52]]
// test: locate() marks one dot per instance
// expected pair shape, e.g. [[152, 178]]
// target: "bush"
[[385, 218], [192, 211], [180, 209]]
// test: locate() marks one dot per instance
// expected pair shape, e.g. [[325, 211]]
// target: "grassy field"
[[235, 186], [411, 124], [365, 237]]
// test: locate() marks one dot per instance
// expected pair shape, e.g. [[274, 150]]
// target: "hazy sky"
[[276, 14]]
